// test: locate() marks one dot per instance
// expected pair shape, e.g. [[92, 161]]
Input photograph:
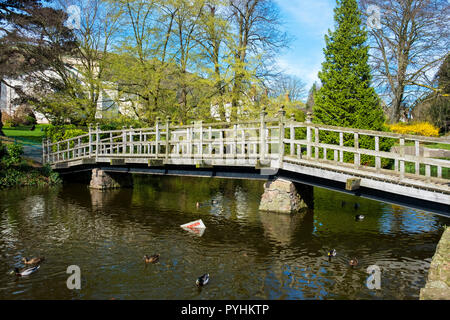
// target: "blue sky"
[[308, 21]]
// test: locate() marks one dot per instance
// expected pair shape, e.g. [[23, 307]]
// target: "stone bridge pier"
[[110, 180], [284, 196]]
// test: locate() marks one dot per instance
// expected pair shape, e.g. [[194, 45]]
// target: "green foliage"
[[14, 155], [346, 98], [58, 133]]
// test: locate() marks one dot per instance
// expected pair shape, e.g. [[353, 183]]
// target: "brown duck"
[[151, 259], [353, 262], [33, 260]]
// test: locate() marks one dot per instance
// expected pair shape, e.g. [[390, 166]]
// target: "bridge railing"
[[277, 139]]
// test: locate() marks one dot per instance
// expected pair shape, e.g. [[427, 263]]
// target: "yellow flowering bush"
[[418, 128]]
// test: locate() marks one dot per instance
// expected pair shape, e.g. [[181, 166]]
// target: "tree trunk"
[[396, 105], [1, 123]]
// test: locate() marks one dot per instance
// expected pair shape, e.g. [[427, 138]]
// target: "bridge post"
[[90, 139], [285, 197], [167, 137], [377, 158], [402, 154], [157, 136], [262, 134], [356, 156], [200, 149], [308, 135], [97, 140], [281, 115], [131, 139], [316, 141], [292, 135], [124, 140]]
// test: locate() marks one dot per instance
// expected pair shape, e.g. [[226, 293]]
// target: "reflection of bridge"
[[265, 149]]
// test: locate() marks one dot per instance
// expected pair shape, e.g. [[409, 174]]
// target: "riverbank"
[[438, 283], [18, 170], [27, 173]]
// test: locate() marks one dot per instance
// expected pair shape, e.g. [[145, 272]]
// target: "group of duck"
[[32, 266], [201, 281]]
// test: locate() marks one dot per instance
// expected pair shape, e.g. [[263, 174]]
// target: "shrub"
[[58, 133], [418, 128], [15, 152]]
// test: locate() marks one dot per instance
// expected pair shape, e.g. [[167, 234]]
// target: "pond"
[[249, 254]]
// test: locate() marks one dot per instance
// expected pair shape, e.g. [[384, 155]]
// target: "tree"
[[289, 85], [346, 98], [435, 108], [33, 44], [310, 102], [257, 35], [411, 43]]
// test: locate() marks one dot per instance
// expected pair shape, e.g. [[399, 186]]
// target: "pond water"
[[249, 254]]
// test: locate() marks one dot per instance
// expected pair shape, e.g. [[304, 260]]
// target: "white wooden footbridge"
[[267, 149]]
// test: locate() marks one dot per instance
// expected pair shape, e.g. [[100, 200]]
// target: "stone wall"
[[438, 283]]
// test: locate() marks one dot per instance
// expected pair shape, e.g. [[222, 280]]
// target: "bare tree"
[[257, 34], [289, 85], [406, 51]]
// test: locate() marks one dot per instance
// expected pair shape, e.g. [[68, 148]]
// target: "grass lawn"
[[431, 145], [24, 135], [438, 146]]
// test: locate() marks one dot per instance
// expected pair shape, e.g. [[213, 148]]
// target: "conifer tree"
[[346, 98]]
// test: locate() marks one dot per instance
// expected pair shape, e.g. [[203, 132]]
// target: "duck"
[[359, 217], [332, 253], [353, 262], [151, 259], [201, 281], [25, 272], [33, 260]]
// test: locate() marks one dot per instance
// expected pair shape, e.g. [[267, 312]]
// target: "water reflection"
[[249, 254]]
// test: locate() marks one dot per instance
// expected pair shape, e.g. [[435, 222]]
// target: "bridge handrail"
[[252, 137]]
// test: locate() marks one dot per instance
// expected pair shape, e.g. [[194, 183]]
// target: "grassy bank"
[[25, 135]]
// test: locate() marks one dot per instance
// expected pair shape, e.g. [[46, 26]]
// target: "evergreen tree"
[[346, 98]]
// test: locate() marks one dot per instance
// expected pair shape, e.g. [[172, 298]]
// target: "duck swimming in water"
[[33, 260], [151, 259], [201, 281], [353, 262], [359, 217], [25, 272], [332, 253]]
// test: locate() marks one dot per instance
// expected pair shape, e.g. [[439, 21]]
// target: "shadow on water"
[[249, 254]]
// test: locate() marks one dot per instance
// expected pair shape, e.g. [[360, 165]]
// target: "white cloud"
[[306, 70], [315, 17]]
